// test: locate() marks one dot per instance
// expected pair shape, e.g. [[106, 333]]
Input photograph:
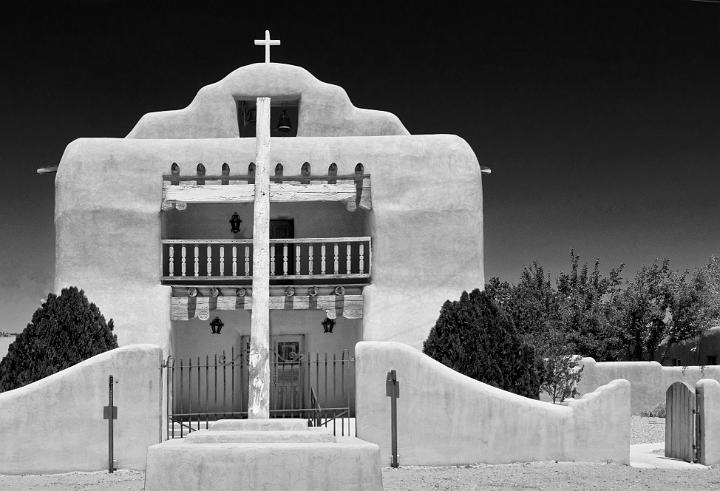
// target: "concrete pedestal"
[[274, 454]]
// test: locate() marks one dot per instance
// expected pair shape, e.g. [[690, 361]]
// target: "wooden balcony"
[[186, 261]]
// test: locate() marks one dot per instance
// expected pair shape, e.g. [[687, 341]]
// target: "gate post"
[[708, 422], [110, 413], [392, 390]]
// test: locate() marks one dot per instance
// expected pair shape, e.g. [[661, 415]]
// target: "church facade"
[[371, 228]]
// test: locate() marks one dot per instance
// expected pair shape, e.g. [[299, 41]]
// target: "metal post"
[[110, 413], [392, 390]]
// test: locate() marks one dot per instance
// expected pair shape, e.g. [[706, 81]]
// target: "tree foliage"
[[65, 330], [474, 337], [609, 319]]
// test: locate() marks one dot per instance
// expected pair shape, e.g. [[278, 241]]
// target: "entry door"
[[286, 372], [287, 378]]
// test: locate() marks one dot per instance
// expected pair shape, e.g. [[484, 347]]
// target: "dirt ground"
[[537, 475]]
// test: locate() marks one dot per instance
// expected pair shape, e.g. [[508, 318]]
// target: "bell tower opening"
[[283, 117]]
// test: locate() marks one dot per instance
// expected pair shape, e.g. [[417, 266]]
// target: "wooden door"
[[680, 422], [286, 372]]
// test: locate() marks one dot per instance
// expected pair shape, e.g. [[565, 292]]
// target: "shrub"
[[472, 336], [65, 330], [656, 412]]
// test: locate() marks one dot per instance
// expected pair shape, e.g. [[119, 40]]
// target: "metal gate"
[[680, 422], [199, 390]]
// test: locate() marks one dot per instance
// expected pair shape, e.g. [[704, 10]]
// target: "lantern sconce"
[[235, 223], [328, 325], [216, 326]]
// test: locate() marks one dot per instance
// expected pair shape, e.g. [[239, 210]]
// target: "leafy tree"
[[531, 304], [561, 372], [473, 337], [586, 309], [645, 310], [65, 330]]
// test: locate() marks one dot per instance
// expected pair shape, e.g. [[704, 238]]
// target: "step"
[[274, 424], [315, 435]]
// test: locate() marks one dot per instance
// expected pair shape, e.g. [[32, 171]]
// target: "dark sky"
[[600, 120]]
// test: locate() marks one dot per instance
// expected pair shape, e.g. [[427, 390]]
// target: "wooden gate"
[[680, 422]]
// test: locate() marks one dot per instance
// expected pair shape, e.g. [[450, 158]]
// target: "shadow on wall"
[[446, 418], [649, 379], [56, 424]]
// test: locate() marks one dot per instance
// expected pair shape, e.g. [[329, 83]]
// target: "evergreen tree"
[[473, 337], [65, 330]]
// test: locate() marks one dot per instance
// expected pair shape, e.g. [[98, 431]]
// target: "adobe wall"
[[426, 223], [324, 109], [56, 424], [649, 379], [446, 418], [708, 392]]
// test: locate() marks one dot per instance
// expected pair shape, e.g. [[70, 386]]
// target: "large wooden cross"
[[259, 359], [267, 42]]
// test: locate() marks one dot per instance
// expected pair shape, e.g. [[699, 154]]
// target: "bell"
[[284, 123]]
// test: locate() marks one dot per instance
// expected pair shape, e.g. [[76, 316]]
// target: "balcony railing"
[[218, 260]]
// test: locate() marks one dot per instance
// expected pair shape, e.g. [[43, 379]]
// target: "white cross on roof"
[[267, 42]]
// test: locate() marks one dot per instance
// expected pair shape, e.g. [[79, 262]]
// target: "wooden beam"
[[259, 358], [190, 192]]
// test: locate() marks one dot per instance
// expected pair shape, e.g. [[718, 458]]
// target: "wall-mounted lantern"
[[235, 223], [328, 325], [216, 326]]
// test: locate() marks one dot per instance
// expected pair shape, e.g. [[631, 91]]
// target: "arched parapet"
[[324, 109]]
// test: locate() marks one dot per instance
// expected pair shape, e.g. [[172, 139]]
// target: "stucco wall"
[[313, 219], [708, 392], [324, 109], [56, 424], [649, 379], [426, 222], [445, 418], [193, 338]]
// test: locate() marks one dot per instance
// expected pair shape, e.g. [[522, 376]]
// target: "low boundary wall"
[[56, 424], [446, 418], [649, 379], [708, 398]]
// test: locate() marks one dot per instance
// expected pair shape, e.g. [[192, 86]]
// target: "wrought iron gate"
[[319, 387]]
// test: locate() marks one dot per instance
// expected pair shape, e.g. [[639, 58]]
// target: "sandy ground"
[[536, 475]]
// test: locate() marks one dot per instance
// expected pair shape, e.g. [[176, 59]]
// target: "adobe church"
[[370, 228]]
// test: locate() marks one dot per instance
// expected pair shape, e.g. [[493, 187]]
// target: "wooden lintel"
[[190, 192]]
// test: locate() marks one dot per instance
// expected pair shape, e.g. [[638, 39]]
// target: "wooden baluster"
[[362, 258], [171, 259], [272, 259], [234, 261], [183, 263], [285, 259], [347, 260], [336, 258], [322, 259], [310, 259], [247, 260], [297, 258], [196, 261], [209, 260], [222, 260]]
